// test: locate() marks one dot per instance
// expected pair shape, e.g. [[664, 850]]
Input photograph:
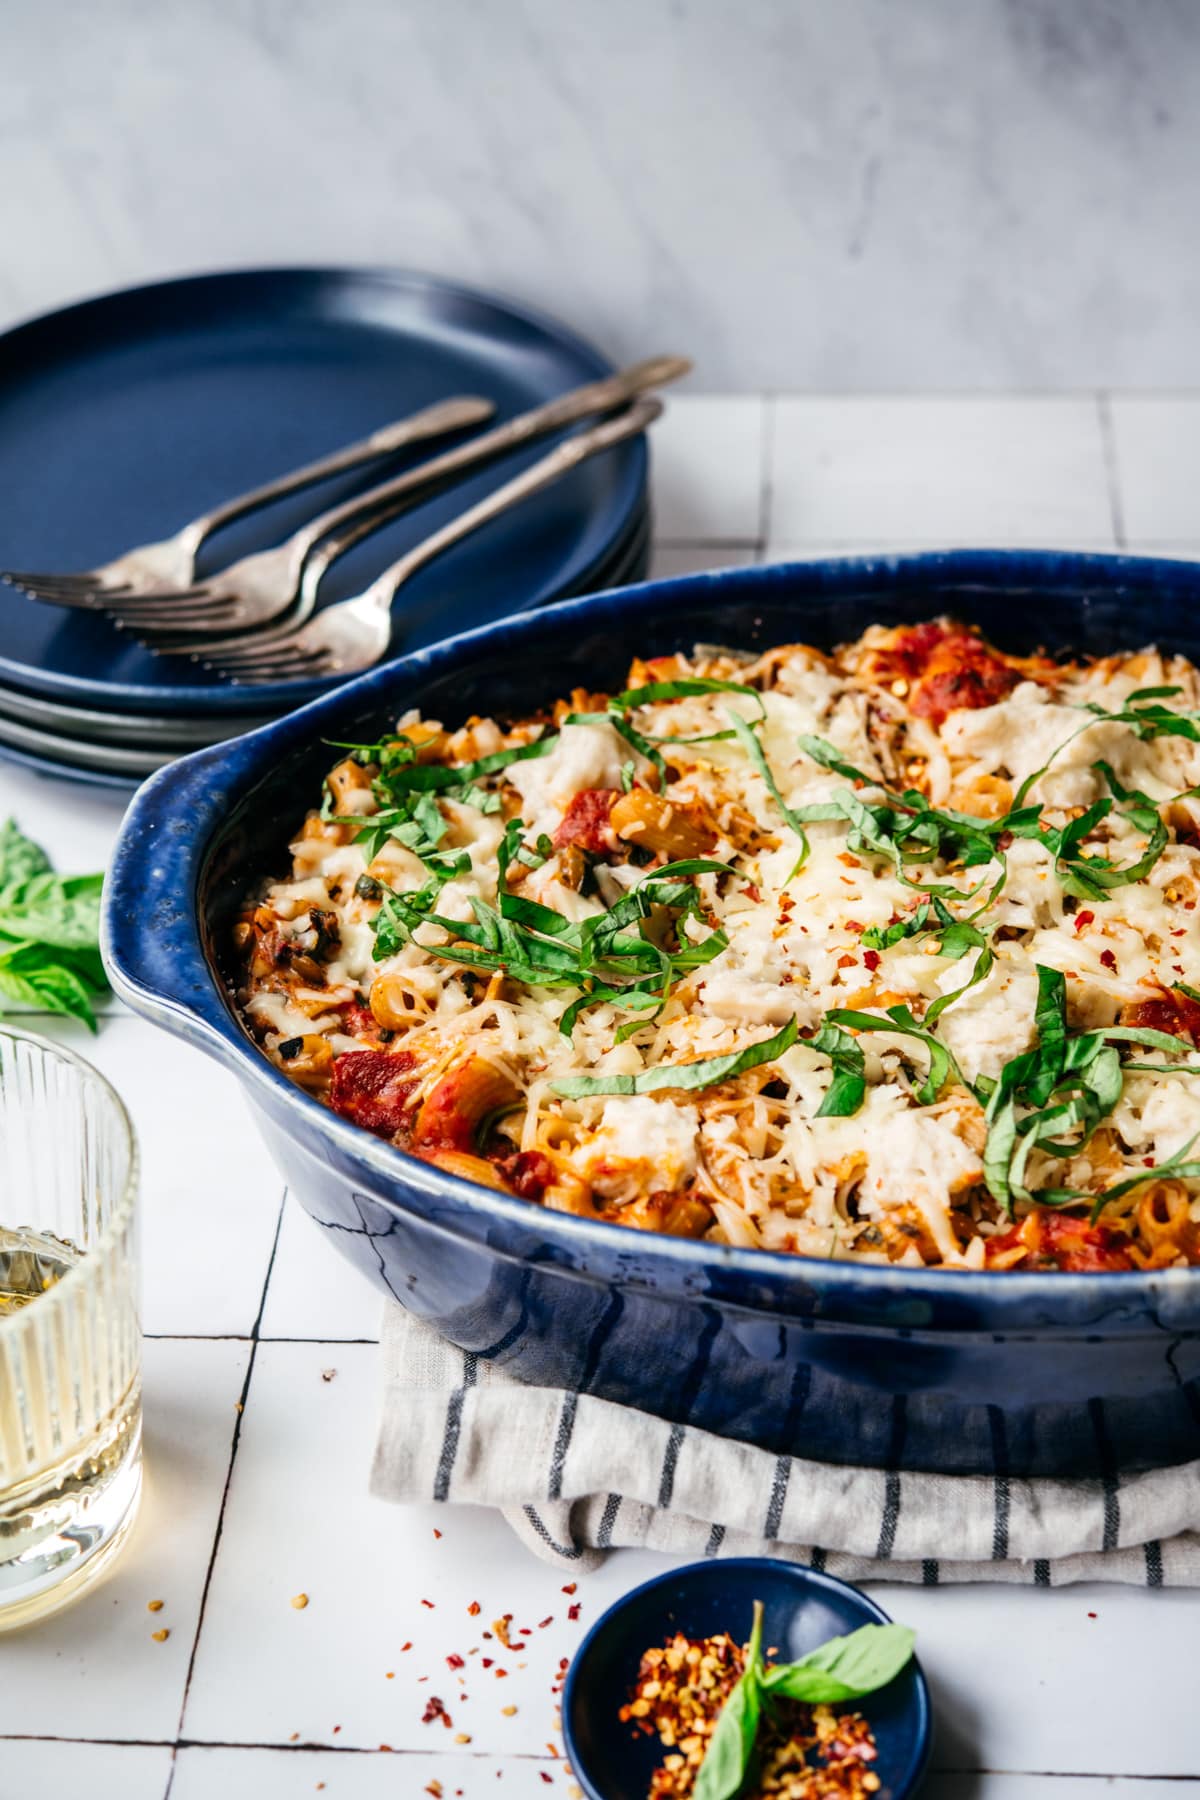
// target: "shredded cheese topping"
[[810, 953]]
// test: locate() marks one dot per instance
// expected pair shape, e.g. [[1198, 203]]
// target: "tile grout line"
[[233, 1450], [1112, 468]]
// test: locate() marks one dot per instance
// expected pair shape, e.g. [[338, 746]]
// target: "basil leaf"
[[898, 1019], [731, 1746], [49, 933], [754, 750], [845, 1668], [983, 968], [706, 1072], [680, 690], [20, 857], [847, 1090], [1176, 1166]]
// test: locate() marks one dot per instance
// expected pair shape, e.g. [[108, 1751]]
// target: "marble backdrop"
[[830, 194]]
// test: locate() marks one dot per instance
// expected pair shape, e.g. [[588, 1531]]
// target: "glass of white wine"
[[70, 1337]]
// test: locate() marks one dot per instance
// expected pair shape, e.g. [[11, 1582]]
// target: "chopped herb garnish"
[[706, 1072]]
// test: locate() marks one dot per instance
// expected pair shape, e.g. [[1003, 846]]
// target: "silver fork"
[[261, 588], [171, 564], [356, 633]]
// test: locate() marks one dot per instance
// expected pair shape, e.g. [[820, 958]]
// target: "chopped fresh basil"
[[706, 1072]]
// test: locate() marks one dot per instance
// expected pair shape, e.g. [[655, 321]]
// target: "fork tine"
[[168, 597], [245, 659], [291, 669], [47, 578], [181, 618]]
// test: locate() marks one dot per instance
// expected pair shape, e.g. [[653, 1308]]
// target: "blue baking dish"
[[1003, 1373]]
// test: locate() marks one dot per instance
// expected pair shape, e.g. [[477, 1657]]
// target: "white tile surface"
[[315, 1292], [974, 1786], [670, 560], [40, 1770], [299, 1520], [95, 1671], [294, 1775], [707, 470], [1000, 1661], [1156, 441], [938, 470]]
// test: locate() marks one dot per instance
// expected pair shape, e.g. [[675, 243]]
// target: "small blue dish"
[[801, 1609]]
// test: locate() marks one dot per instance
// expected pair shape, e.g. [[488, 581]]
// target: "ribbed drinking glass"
[[70, 1338]]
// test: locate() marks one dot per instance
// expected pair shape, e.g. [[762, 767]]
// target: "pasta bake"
[[886, 954]]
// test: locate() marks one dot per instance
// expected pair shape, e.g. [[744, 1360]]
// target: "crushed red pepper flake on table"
[[680, 1691], [474, 1609], [436, 1532], [570, 1587], [455, 1661], [405, 1647], [573, 1611], [435, 1709], [548, 1620], [429, 1604]]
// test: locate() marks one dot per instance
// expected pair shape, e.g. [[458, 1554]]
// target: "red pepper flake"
[[1108, 959], [436, 1532], [871, 958], [1083, 918], [434, 1709], [552, 1750], [500, 1674], [548, 1779], [428, 1603], [548, 1620], [336, 1729], [454, 1661], [405, 1647], [474, 1609], [573, 1612], [525, 1630], [570, 1587], [488, 1661], [851, 925], [751, 892], [1092, 1615]]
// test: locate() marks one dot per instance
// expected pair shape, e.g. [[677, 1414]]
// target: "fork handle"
[[368, 513], [541, 474], [431, 421]]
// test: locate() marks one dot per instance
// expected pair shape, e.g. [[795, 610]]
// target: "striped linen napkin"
[[576, 1476]]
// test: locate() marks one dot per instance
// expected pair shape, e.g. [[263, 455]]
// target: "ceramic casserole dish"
[[989, 1373]]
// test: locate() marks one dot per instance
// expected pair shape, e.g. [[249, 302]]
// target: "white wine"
[[70, 1341]]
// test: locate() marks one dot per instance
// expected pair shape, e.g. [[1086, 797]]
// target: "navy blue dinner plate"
[[802, 1608], [125, 416]]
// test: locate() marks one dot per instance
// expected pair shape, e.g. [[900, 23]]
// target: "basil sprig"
[[49, 926], [731, 1747], [844, 1668]]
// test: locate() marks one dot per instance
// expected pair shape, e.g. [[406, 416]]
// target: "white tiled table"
[[260, 1359]]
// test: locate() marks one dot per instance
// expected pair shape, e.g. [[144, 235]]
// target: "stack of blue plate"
[[125, 416]]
